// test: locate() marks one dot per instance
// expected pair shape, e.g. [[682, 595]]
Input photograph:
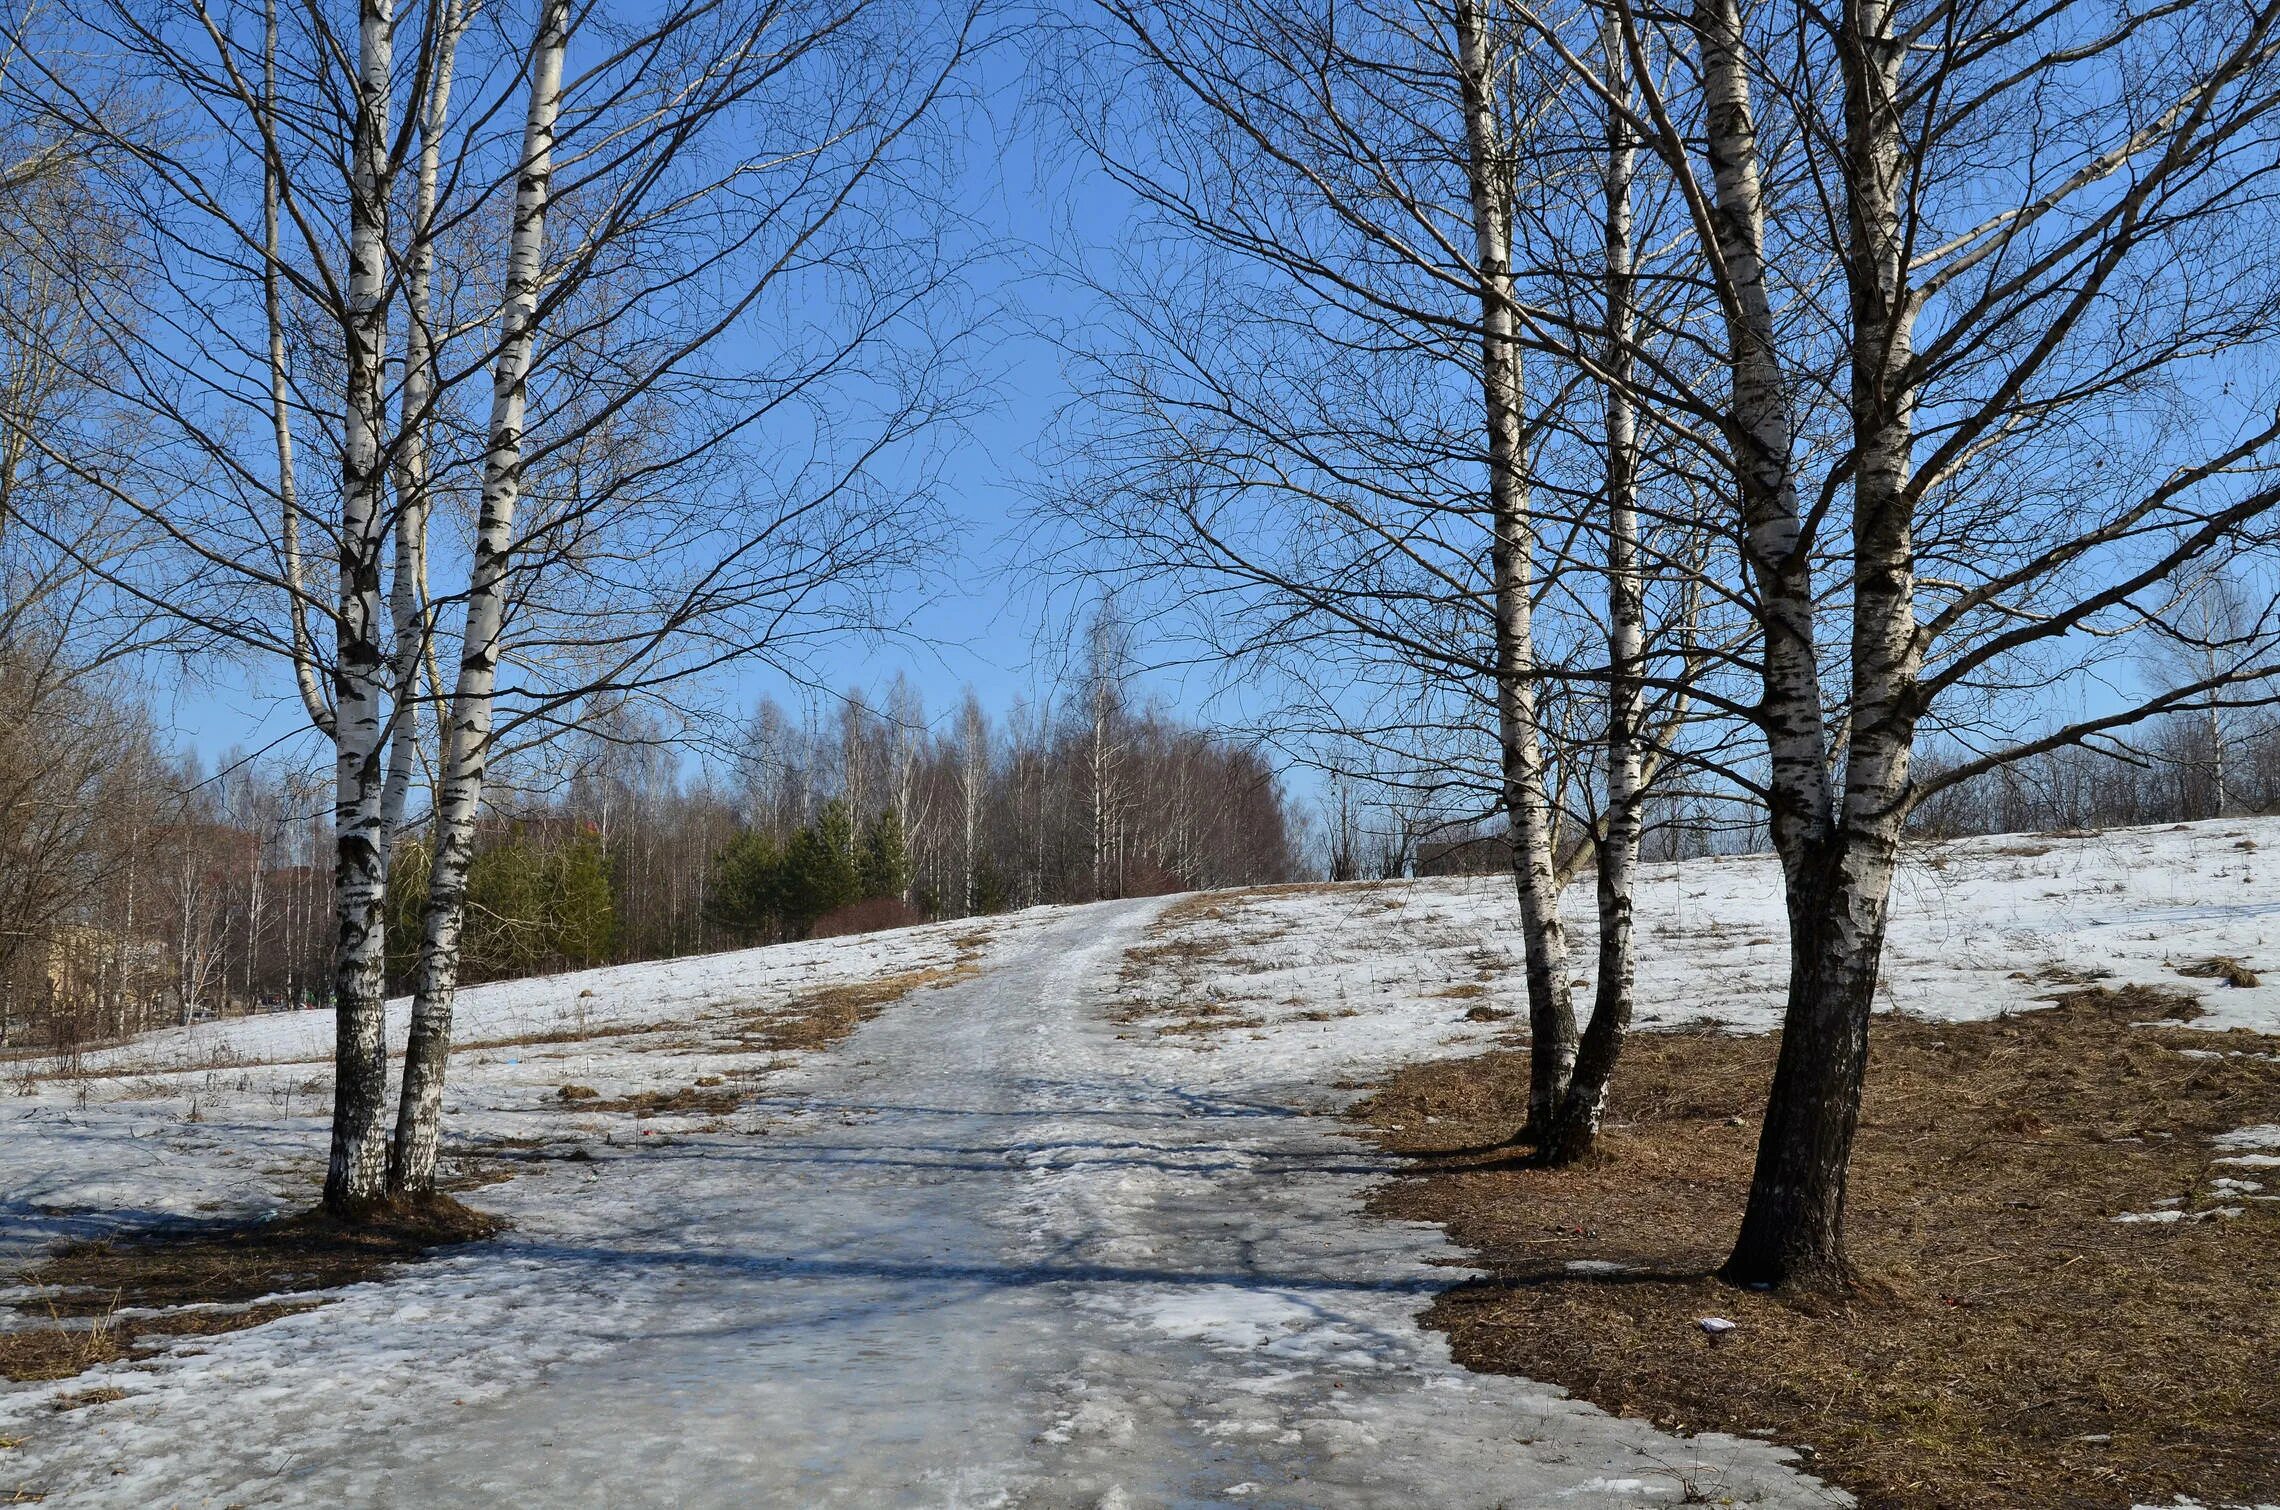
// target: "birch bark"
[[408, 589], [1576, 1132], [467, 739], [1762, 436], [356, 1174], [1551, 1015], [1793, 1227], [973, 774]]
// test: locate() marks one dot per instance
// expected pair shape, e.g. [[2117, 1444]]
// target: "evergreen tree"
[[884, 863], [819, 869], [992, 893], [835, 829], [406, 902], [746, 890], [581, 908], [530, 907]]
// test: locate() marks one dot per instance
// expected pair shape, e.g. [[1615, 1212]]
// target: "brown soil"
[[228, 1276], [2013, 1345]]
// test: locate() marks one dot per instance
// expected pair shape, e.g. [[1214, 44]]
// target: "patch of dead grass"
[[2056, 974], [569, 1033], [2014, 1345], [687, 1101], [818, 1018], [1193, 938], [202, 1281], [2222, 967], [1213, 1024], [64, 1352], [86, 1397]]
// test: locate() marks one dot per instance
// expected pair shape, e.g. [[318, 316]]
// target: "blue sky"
[[981, 618]]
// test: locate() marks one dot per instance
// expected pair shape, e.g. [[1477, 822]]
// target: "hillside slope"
[[1058, 1225]]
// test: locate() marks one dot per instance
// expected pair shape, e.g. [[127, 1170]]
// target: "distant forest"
[[146, 892]]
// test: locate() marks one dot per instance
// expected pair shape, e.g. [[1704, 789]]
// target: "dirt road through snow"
[[987, 1251]]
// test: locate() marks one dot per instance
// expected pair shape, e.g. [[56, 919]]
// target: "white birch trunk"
[[468, 735], [1551, 1016], [1762, 437], [1100, 793], [408, 590], [1576, 1132], [356, 1176], [973, 773], [1840, 886]]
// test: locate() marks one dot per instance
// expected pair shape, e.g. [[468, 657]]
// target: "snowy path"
[[989, 1252]]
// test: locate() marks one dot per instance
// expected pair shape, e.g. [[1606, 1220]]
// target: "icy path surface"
[[986, 1252]]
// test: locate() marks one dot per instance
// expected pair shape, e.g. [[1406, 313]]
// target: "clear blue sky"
[[977, 620]]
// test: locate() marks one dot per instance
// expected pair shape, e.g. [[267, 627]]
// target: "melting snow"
[[997, 1245]]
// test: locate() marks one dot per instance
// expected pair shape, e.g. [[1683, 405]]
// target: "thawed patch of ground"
[[2023, 1324], [2071, 1224], [104, 1300]]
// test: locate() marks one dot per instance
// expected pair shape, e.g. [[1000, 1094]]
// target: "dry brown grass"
[[103, 1396], [814, 1019], [1215, 1019], [687, 1101], [2055, 974], [2013, 1346], [207, 1280], [820, 1018], [1192, 932], [2222, 967], [568, 1034], [64, 1352], [1195, 937]]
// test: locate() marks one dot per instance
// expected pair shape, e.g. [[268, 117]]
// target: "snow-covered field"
[[1011, 1242]]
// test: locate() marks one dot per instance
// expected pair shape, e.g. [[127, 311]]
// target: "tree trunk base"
[[1809, 1274], [427, 1217], [1565, 1146]]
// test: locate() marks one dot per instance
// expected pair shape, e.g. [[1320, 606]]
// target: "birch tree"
[[1976, 247], [276, 274], [1574, 1127], [1339, 418], [974, 762], [467, 732], [784, 564]]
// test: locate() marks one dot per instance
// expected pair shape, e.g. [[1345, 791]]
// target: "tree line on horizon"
[[209, 895]]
